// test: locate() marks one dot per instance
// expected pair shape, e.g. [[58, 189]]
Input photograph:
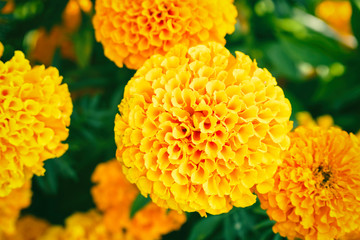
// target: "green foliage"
[[316, 67], [139, 203]]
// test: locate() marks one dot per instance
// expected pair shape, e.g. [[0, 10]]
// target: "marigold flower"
[[82, 226], [198, 129], [152, 221], [132, 31], [46, 44], [28, 228], [10, 207], [35, 110], [337, 14], [114, 196], [317, 188]]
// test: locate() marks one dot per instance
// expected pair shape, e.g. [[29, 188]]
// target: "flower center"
[[324, 174]]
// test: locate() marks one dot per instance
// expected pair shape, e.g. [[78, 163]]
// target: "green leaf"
[[229, 228], [205, 227], [284, 65], [2, 4], [355, 19], [139, 203], [83, 41]]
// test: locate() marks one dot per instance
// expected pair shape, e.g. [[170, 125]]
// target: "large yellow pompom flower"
[[35, 110], [198, 129], [132, 31], [114, 195], [10, 207], [317, 187]]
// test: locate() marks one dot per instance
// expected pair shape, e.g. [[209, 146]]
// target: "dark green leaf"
[[355, 19], [139, 203], [205, 227], [2, 4], [83, 41], [229, 228]]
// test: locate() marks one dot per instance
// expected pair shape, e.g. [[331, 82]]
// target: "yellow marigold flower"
[[114, 196], [305, 119], [132, 31], [28, 228], [337, 14], [35, 110], [198, 129], [10, 207], [317, 188]]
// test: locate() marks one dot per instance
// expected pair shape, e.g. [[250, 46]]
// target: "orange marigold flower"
[[317, 188], [114, 196], [28, 228], [10, 207], [82, 226], [305, 119], [152, 221], [198, 129], [132, 31], [337, 14], [72, 17], [45, 44], [35, 110]]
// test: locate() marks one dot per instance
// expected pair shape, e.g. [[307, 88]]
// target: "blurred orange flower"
[[199, 129], [132, 31], [46, 43], [28, 228], [114, 195]]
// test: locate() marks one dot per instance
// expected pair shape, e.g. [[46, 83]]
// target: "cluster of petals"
[[305, 119], [45, 43], [317, 188], [114, 195], [133, 30], [10, 207], [199, 129], [35, 111], [337, 14], [27, 228]]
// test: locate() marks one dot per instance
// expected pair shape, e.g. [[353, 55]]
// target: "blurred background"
[[310, 46]]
